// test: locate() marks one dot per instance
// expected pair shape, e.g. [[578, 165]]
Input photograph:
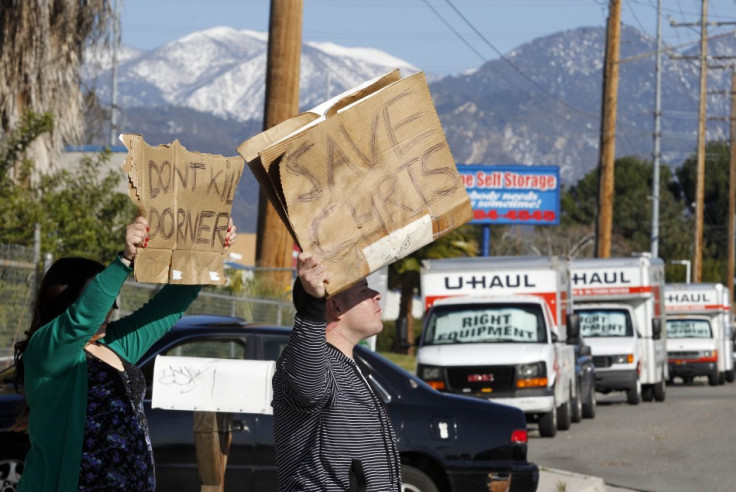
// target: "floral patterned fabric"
[[116, 454]]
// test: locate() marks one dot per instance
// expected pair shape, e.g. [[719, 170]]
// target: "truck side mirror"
[[585, 350], [573, 328], [656, 328]]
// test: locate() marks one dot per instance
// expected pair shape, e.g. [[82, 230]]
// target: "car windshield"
[[605, 323], [486, 323], [689, 328]]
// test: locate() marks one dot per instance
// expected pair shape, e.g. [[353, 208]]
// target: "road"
[[681, 445]]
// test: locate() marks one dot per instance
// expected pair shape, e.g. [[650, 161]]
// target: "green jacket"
[[56, 371]]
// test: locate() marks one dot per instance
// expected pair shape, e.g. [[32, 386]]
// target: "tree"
[[41, 49], [632, 209], [715, 199], [79, 210]]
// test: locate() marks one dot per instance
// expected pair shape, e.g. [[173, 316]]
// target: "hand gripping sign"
[[187, 198], [363, 179]]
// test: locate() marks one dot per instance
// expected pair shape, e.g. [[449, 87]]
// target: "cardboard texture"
[[187, 198], [363, 179]]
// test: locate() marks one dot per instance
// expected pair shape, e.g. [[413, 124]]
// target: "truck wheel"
[[722, 378], [563, 416], [576, 407], [731, 375], [415, 480], [589, 405], [647, 392], [659, 391], [548, 423], [633, 394], [713, 378]]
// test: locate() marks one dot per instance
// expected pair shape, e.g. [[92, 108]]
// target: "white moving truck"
[[621, 308], [699, 332], [495, 328]]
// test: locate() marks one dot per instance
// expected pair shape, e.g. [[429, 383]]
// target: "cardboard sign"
[[603, 324], [213, 385], [187, 198], [364, 179], [495, 326], [688, 329]]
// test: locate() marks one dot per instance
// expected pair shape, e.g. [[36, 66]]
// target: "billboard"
[[513, 194]]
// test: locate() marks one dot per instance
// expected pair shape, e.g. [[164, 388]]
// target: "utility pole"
[[657, 134], [608, 132], [700, 173], [732, 183], [114, 91], [274, 244]]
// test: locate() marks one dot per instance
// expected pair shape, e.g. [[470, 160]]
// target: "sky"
[[438, 36]]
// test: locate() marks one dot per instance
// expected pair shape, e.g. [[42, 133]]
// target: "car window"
[[273, 346], [215, 349], [211, 348]]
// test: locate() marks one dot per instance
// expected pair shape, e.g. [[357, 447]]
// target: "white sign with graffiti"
[[213, 385]]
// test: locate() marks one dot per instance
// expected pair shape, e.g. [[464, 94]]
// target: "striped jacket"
[[331, 431]]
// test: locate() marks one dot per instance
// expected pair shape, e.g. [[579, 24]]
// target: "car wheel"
[[415, 480], [11, 460], [576, 406], [633, 394], [589, 405], [731, 375], [548, 423], [563, 416], [713, 378], [659, 391]]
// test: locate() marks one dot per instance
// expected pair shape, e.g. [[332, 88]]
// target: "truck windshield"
[[689, 328], [486, 323], [605, 323]]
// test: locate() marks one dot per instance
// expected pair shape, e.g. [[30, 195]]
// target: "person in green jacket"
[[84, 394]]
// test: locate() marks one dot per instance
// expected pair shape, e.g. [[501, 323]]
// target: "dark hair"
[[62, 284]]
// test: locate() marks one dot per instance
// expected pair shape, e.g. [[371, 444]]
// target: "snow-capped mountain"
[[540, 105], [221, 71]]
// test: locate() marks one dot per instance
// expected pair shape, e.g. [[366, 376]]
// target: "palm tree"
[[41, 48]]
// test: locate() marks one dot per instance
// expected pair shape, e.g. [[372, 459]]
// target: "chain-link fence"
[[18, 274], [268, 311]]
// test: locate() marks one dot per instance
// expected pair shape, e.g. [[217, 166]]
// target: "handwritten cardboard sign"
[[364, 179], [602, 324], [187, 198], [213, 385], [495, 325]]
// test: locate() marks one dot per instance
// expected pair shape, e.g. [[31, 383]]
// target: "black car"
[[584, 403], [446, 442]]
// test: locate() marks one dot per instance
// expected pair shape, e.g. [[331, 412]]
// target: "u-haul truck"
[[620, 306], [699, 332], [495, 328]]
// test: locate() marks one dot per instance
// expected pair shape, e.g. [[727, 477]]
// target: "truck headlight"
[[432, 375], [531, 375], [623, 359]]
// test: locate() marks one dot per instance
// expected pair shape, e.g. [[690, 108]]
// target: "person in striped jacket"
[[331, 431]]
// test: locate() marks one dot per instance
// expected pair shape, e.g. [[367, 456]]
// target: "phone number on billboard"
[[522, 215]]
